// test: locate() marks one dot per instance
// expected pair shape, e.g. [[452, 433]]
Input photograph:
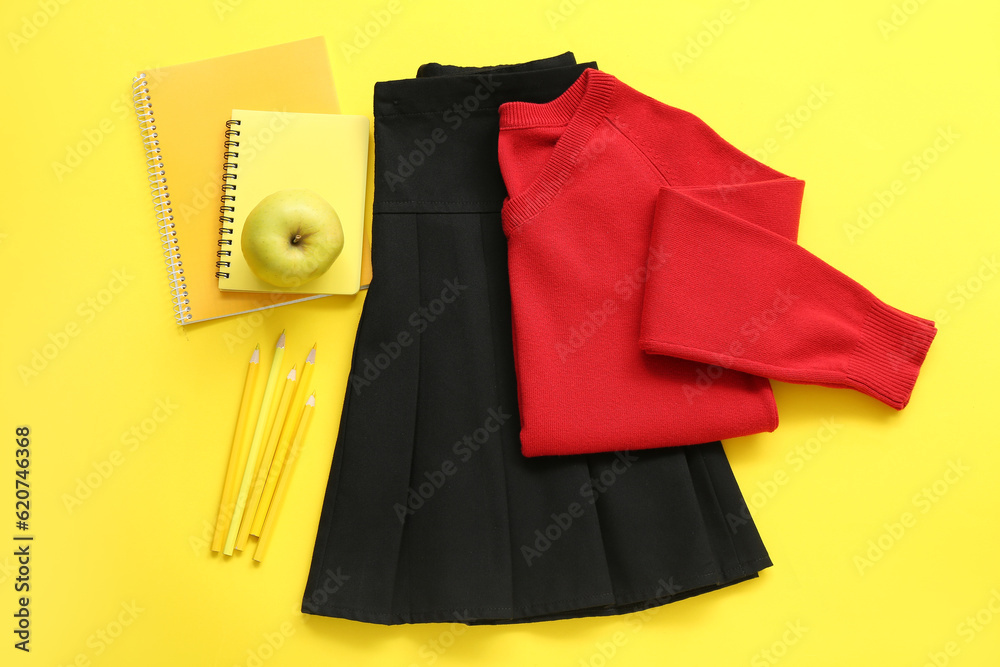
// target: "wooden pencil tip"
[[311, 401], [255, 357], [281, 340], [291, 373], [311, 359]]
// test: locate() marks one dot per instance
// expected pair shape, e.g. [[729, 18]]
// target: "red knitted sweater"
[[656, 282]]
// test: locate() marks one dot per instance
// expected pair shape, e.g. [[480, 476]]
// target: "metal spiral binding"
[[161, 199], [228, 200]]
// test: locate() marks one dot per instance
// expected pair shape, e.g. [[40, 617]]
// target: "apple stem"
[[296, 239]]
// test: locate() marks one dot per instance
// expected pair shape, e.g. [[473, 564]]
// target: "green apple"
[[291, 237]]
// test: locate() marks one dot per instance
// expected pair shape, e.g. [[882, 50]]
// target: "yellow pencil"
[[237, 457], [287, 433], [265, 460], [258, 435], [286, 476]]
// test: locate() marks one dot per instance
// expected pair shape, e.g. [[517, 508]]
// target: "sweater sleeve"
[[738, 292]]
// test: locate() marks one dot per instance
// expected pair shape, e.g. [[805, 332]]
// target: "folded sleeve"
[[738, 292]]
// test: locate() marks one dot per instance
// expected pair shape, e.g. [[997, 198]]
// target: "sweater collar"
[[580, 108]]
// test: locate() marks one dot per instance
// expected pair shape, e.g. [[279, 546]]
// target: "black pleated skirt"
[[432, 514]]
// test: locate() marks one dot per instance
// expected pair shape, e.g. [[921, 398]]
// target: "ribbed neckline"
[[581, 109]]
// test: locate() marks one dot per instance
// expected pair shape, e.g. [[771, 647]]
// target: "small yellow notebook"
[[268, 151]]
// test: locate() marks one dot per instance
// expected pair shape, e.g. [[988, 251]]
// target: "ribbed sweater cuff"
[[887, 358]]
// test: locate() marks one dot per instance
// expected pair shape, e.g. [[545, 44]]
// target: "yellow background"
[[139, 540]]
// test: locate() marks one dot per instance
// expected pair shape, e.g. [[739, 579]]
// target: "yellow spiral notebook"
[[270, 151]]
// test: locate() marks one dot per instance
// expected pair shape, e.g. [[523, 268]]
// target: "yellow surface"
[[131, 416], [325, 153]]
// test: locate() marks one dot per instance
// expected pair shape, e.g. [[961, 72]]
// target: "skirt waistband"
[[431, 132]]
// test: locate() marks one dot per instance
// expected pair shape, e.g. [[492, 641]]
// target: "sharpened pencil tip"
[[255, 357], [311, 401], [311, 359], [291, 374], [281, 340]]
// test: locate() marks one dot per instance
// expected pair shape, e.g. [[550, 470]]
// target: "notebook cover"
[[325, 153], [190, 104]]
